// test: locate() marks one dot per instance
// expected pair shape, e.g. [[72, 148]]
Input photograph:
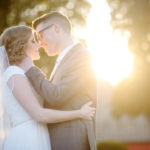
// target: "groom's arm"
[[58, 94]]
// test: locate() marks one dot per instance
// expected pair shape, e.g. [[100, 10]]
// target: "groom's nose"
[[42, 43]]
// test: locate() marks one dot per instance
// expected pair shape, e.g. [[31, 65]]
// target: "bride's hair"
[[15, 39]]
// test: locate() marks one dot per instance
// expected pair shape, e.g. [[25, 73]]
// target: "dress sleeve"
[[12, 70]]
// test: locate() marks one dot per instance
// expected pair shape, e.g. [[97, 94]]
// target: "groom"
[[72, 82]]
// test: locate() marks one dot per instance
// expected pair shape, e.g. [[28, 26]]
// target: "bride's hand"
[[86, 111]]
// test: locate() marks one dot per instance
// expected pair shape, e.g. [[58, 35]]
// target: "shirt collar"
[[64, 52]]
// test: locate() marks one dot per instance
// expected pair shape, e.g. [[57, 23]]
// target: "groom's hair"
[[53, 16]]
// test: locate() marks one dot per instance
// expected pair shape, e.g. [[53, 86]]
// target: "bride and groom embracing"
[[52, 114]]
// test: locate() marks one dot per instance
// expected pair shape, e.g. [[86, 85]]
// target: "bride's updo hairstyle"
[[15, 39]]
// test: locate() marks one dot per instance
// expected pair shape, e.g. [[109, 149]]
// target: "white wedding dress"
[[25, 133]]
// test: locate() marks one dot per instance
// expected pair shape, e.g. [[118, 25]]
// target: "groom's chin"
[[36, 58], [52, 54]]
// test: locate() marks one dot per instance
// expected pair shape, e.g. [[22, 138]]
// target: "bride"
[[21, 103]]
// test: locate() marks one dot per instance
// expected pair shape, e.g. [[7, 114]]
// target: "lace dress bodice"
[[14, 110]]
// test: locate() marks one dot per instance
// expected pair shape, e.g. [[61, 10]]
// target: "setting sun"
[[112, 60]]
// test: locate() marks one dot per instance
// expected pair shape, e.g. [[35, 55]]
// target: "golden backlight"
[[112, 60]]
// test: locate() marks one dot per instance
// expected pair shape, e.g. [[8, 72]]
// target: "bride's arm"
[[23, 93]]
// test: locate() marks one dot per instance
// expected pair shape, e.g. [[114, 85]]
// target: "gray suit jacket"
[[72, 85]]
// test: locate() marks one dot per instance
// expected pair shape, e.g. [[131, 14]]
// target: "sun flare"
[[112, 60]]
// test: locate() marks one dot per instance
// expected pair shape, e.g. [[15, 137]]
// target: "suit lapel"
[[73, 51]]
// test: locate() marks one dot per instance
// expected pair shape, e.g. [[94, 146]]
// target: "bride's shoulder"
[[14, 68], [11, 70]]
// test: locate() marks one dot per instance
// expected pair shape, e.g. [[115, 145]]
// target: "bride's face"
[[32, 48]]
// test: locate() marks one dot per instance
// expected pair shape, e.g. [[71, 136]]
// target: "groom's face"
[[48, 37]]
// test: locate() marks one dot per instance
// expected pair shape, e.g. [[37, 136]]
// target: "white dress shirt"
[[60, 58]]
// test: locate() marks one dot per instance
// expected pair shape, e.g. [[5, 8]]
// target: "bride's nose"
[[37, 45]]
